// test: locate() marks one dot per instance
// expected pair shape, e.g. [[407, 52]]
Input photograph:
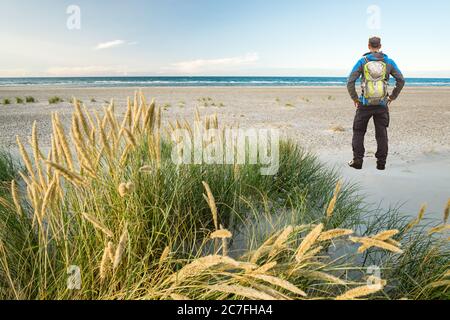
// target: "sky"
[[219, 37]]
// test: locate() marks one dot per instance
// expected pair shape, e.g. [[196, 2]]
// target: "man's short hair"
[[375, 42]]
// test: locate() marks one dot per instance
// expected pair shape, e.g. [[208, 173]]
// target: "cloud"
[[213, 65], [87, 71], [109, 44]]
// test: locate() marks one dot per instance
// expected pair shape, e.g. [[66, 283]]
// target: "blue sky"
[[220, 37]]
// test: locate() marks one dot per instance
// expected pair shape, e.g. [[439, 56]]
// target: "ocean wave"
[[200, 81]]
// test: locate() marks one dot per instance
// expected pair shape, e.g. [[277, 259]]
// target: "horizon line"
[[202, 76]]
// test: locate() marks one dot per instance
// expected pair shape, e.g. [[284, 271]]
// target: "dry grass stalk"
[[25, 178], [37, 203], [56, 152], [47, 197], [279, 283], [112, 121], [76, 131], [393, 242], [318, 275], [99, 158], [202, 264], [382, 240], [419, 218], [312, 253], [224, 247], [441, 283], [335, 233], [447, 212], [241, 291], [221, 234], [120, 248], [137, 120], [122, 189], [158, 148], [16, 199], [212, 204], [104, 263], [105, 142], [5, 203], [224, 235], [97, 224], [83, 154], [148, 117], [130, 187], [370, 242], [270, 291], [308, 242], [80, 115], [360, 292], [265, 268], [146, 169], [332, 204], [124, 157], [127, 119], [125, 189], [26, 159], [111, 251], [263, 248], [386, 235], [89, 118], [439, 229], [164, 255], [61, 141], [131, 138], [37, 154], [280, 241], [71, 176]]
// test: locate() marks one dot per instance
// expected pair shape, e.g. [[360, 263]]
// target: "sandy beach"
[[319, 118]]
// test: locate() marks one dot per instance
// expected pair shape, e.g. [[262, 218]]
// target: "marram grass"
[[108, 199]]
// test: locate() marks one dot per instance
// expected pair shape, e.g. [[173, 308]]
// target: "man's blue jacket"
[[391, 70]]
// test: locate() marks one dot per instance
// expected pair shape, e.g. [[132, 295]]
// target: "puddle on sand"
[[405, 183]]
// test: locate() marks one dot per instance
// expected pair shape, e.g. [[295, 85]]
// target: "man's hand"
[[389, 101]]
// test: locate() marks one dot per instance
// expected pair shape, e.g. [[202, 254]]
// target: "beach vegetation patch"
[[55, 100], [108, 203], [338, 128]]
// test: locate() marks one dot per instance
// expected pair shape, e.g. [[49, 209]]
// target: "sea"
[[202, 81]]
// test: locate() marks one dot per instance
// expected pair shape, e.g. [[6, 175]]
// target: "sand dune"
[[320, 119]]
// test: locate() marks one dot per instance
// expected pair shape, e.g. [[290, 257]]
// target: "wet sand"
[[320, 119], [405, 185]]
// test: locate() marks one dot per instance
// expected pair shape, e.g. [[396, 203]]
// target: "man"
[[374, 69]]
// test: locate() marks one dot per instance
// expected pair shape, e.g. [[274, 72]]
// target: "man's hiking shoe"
[[356, 164], [381, 166]]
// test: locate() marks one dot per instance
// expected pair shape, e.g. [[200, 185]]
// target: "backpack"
[[374, 84]]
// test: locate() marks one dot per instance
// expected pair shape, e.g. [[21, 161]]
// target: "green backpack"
[[374, 84]]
